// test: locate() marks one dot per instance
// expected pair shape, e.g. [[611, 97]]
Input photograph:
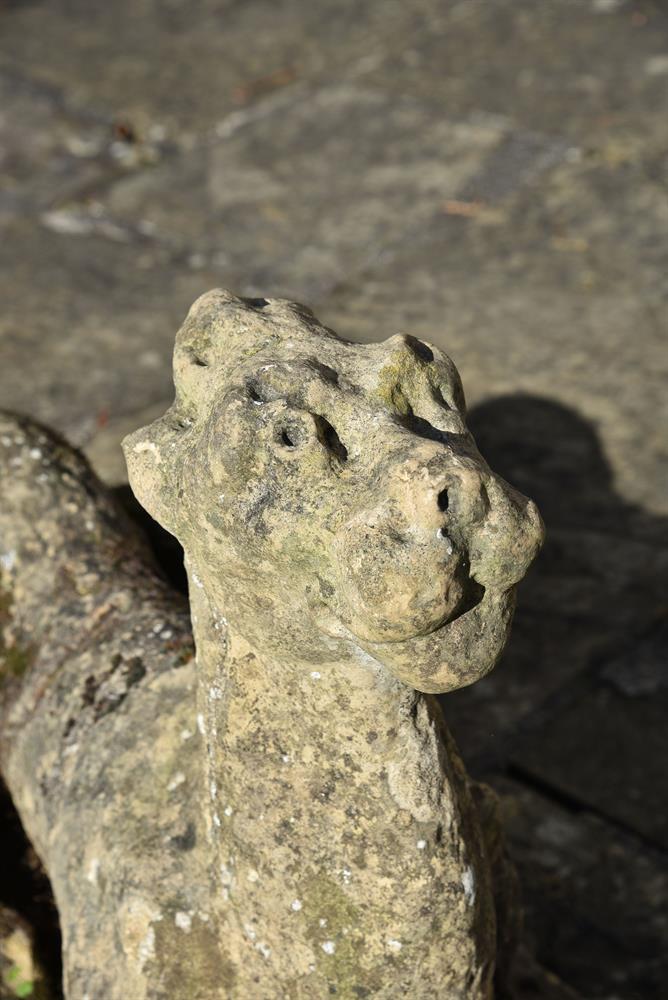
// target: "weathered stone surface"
[[51, 152], [97, 713], [588, 748], [235, 53], [338, 472], [564, 265], [293, 817], [307, 214]]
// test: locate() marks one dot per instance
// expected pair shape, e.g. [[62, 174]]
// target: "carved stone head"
[[329, 496]]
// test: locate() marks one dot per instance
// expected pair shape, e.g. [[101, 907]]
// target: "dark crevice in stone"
[[256, 303], [420, 349], [25, 888], [329, 437], [423, 428]]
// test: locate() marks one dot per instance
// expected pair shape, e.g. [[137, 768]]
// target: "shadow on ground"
[[570, 727]]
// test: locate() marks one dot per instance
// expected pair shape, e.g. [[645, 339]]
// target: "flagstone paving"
[[491, 175]]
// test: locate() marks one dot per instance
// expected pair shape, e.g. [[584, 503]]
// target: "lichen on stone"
[[349, 554]]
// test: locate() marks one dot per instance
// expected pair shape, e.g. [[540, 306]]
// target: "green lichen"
[[19, 986], [397, 382], [5, 607], [15, 658], [340, 961], [192, 965], [405, 377]]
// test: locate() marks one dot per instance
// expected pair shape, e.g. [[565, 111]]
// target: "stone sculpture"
[[286, 817]]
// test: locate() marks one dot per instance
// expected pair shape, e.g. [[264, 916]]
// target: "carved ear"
[[219, 330], [155, 459], [156, 455]]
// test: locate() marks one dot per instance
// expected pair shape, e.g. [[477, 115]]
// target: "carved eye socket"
[[292, 434], [289, 436], [330, 439]]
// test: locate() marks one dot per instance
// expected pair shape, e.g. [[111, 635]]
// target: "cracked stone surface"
[[489, 176]]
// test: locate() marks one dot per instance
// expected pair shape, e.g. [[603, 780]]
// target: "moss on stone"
[[15, 657], [189, 962], [332, 923], [15, 660], [396, 376]]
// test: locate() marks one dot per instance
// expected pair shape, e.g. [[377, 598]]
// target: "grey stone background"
[[490, 175]]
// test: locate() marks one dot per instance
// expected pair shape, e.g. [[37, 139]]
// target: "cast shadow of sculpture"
[[593, 585], [582, 683]]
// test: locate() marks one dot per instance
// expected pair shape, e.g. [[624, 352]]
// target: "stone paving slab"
[[87, 325], [584, 881], [590, 71], [51, 152], [595, 586], [312, 189], [184, 65], [487, 174], [534, 298], [604, 745]]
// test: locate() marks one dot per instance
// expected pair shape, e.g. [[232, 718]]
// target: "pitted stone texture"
[[345, 473], [346, 544], [96, 694], [289, 816]]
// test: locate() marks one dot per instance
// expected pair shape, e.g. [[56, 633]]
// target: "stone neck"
[[265, 719], [308, 759]]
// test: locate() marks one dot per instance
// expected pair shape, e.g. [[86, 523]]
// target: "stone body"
[[288, 817]]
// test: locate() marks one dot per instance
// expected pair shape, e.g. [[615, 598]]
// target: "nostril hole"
[[255, 393], [443, 500], [287, 440]]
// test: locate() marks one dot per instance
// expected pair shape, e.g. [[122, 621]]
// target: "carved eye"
[[330, 439], [290, 435], [295, 433]]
